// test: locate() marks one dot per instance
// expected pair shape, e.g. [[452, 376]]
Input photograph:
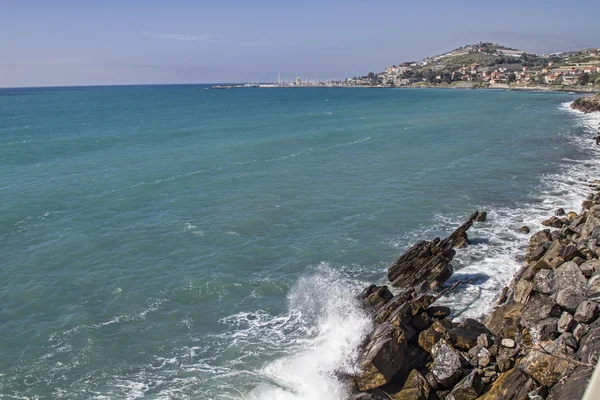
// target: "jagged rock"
[[569, 274], [504, 363], [511, 385], [485, 340], [569, 252], [560, 212], [432, 382], [481, 216], [546, 329], [591, 223], [579, 261], [524, 229], [538, 244], [438, 312], [382, 357], [504, 320], [540, 307], [554, 222], [593, 285], [543, 281], [425, 262], [588, 268], [570, 298], [428, 338], [375, 297], [586, 312], [565, 322], [421, 322], [567, 339], [415, 387], [468, 388], [447, 364], [580, 330], [484, 358], [465, 335], [508, 343], [522, 291], [392, 305], [571, 216], [545, 368]]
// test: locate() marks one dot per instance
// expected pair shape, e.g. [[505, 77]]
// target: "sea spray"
[[329, 307]]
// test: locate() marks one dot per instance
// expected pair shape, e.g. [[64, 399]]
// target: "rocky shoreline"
[[587, 104], [541, 341]]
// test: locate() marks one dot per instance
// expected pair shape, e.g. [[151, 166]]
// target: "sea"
[[177, 242]]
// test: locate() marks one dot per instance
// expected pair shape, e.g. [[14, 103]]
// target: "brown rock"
[[415, 387], [465, 334], [447, 364], [545, 368], [586, 312], [524, 229], [511, 385], [468, 388]]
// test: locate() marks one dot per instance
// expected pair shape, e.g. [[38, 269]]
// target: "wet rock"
[[375, 297], [447, 364], [438, 312], [481, 216], [421, 322], [571, 216], [565, 322], [524, 229], [570, 298], [508, 343], [545, 368], [465, 335], [538, 244], [382, 357], [511, 385], [399, 300], [543, 281], [586, 312], [553, 222], [560, 212], [427, 262], [468, 388], [415, 387]]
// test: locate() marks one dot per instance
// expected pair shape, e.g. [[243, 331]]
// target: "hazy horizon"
[[67, 43]]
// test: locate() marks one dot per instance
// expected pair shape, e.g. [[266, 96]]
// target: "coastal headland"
[[541, 341]]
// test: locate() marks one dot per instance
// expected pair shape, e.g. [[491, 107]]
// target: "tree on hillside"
[[583, 79], [511, 77]]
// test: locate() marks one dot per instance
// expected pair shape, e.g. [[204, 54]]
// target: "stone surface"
[[522, 291], [484, 357], [382, 358], [565, 322], [586, 312], [447, 364], [540, 307], [468, 388], [485, 340], [589, 267], [508, 343], [570, 298], [439, 312], [543, 281], [569, 274], [538, 244], [464, 335], [544, 368], [415, 387], [524, 229], [553, 222], [511, 385], [375, 297], [580, 330]]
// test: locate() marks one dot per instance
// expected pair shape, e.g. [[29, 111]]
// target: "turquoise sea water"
[[173, 242]]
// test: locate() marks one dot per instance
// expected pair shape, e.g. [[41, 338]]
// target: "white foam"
[[320, 335]]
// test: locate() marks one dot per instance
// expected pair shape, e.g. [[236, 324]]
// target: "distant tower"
[[298, 81]]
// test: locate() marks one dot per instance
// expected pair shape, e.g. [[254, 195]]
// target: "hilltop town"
[[493, 65]]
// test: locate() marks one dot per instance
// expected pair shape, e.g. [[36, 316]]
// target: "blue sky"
[[85, 42]]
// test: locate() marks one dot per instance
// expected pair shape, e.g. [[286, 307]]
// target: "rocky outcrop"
[[587, 104], [541, 340]]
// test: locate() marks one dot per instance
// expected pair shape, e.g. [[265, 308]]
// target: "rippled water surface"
[[174, 242]]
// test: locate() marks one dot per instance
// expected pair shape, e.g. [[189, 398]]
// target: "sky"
[[104, 42]]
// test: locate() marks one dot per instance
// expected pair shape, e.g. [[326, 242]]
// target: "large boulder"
[[569, 274], [538, 244], [545, 368], [382, 357], [427, 263], [447, 364], [468, 388], [415, 387], [464, 335], [511, 385]]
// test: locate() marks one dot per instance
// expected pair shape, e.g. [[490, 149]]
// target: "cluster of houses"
[[433, 70]]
